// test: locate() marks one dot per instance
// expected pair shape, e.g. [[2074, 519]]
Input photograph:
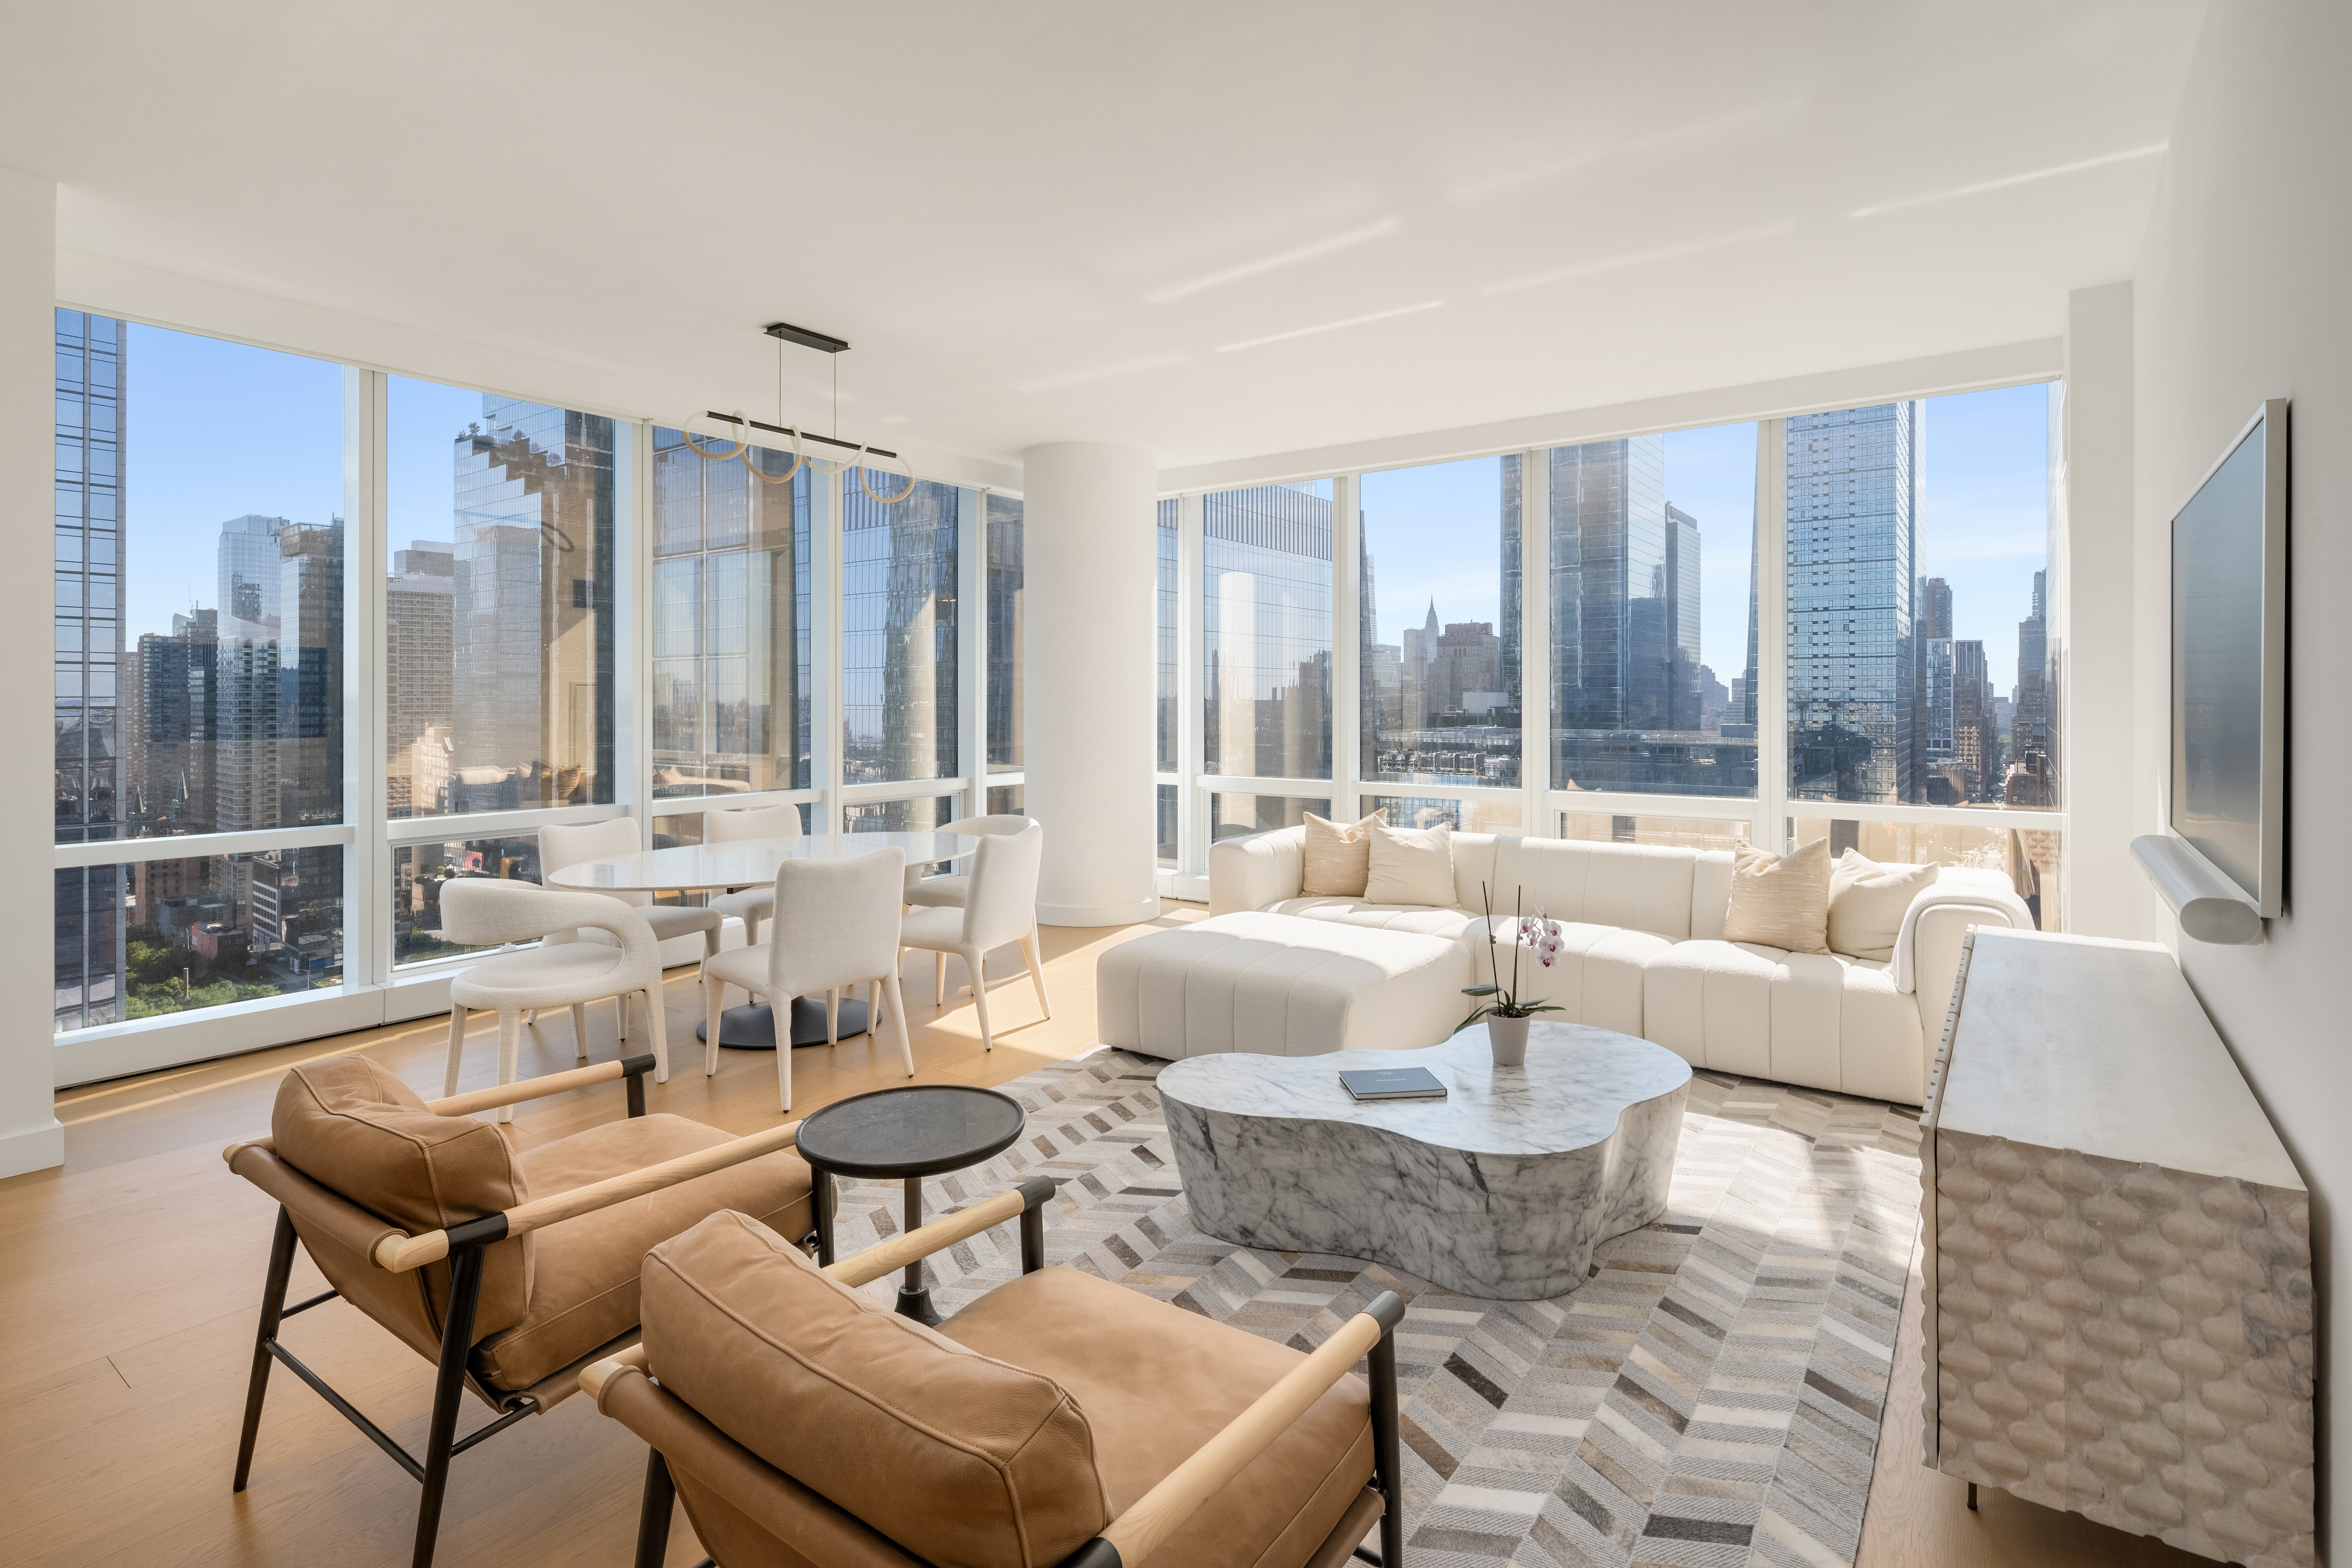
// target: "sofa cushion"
[[1338, 856], [1868, 902], [1820, 1019], [1780, 901], [1419, 918], [1156, 1382], [1596, 979], [355, 1129], [1410, 864], [1638, 887], [584, 1280], [1277, 985], [963, 1460]]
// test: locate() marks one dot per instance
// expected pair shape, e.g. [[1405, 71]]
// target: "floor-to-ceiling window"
[[1167, 728], [898, 645], [200, 647], [1268, 675], [1005, 642]]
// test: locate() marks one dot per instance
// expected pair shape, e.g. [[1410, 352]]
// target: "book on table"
[[1392, 1083]]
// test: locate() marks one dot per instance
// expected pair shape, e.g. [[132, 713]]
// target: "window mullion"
[[1772, 636], [1191, 586], [1347, 649], [1535, 643], [367, 928]]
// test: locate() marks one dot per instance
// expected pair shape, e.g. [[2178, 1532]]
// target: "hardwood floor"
[[129, 1280]]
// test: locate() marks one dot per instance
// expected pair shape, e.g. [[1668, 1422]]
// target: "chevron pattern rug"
[[1710, 1397]]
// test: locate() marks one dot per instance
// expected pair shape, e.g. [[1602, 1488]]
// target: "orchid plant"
[[1529, 934]]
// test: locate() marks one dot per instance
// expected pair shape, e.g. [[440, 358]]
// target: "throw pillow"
[[1411, 866], [1781, 901], [1338, 856], [1867, 903]]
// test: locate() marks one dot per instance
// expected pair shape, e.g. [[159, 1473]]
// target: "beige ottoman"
[[1278, 985]]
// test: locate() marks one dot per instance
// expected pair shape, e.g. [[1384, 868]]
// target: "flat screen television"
[[2227, 799]]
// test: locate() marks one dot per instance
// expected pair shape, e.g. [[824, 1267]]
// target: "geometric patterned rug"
[[1710, 1396]]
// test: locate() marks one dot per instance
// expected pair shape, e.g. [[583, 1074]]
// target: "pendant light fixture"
[[784, 332]]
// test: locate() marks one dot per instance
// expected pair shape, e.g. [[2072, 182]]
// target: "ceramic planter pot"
[[1507, 1039]]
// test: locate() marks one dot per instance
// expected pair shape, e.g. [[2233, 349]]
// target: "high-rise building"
[[90, 569], [418, 656], [170, 718], [309, 718], [1935, 609], [900, 671], [1976, 731], [1512, 576], [1416, 665], [2033, 779], [1854, 675], [1465, 676], [531, 618], [1268, 559], [1625, 594]]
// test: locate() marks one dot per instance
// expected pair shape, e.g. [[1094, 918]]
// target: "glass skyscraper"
[[899, 657], [90, 566], [1856, 677], [1267, 562]]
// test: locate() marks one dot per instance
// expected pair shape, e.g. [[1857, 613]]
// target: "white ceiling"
[[1059, 220]]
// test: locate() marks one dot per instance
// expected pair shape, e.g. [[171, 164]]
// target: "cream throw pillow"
[[1338, 856], [1411, 866], [1867, 903], [1781, 901]]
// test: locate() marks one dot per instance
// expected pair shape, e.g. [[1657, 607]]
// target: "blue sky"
[[217, 430]]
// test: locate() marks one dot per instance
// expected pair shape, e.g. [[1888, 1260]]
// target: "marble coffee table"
[[1500, 1191]]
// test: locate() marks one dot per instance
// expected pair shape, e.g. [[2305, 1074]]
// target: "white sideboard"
[[2117, 1282]]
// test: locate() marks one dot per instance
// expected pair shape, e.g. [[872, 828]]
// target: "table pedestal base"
[[753, 1027]]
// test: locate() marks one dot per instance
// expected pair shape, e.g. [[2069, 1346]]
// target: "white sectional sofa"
[[1645, 955]]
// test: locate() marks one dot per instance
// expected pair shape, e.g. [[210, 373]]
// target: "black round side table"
[[904, 1134]]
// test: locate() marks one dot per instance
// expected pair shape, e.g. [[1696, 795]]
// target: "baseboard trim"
[[40, 1147], [1136, 913]]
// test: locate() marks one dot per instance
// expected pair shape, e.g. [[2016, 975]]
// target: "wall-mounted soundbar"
[[2208, 907]]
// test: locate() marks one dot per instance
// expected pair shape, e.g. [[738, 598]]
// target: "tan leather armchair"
[[509, 1269], [1060, 1421]]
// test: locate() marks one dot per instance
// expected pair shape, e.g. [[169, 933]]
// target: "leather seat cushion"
[[963, 1460], [1157, 1382], [355, 1129], [584, 1287]]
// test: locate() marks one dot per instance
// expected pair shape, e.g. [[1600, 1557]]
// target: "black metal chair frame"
[[467, 1243], [1387, 1309]]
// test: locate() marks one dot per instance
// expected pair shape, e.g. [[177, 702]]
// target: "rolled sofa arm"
[[1255, 870], [1927, 951]]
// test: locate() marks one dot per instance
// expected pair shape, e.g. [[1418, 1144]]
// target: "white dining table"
[[746, 863]]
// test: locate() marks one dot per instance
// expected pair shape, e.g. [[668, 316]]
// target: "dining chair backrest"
[[1003, 823], [836, 923], [1002, 902], [722, 826], [479, 910], [569, 844]]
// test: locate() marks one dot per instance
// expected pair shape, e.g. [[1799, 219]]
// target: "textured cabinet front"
[[2125, 1338]]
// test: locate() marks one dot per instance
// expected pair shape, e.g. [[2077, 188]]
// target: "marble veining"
[[1502, 1190]]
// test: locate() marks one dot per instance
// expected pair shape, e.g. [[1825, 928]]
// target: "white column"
[[2091, 582], [30, 1136], [1091, 562]]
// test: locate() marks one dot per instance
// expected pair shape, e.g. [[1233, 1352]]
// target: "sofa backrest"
[[1637, 885]]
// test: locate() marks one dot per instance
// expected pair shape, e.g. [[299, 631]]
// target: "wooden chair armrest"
[[631, 1067], [596, 1373], [889, 1256], [400, 1254], [533, 1088], [1134, 1535]]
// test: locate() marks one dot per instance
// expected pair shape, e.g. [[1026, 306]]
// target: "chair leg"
[[833, 1017], [456, 1047], [654, 1512], [659, 1027], [939, 981], [509, 1054], [1388, 1474], [449, 1387], [620, 1008], [889, 982], [973, 958], [273, 1301], [1036, 970], [714, 997], [782, 1008], [529, 1017], [580, 1029]]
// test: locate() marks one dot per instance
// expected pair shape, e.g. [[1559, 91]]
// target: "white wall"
[[2241, 294], [30, 1138]]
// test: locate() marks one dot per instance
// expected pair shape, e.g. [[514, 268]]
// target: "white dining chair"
[[483, 909], [948, 892], [836, 926], [562, 847], [750, 904], [1000, 906]]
